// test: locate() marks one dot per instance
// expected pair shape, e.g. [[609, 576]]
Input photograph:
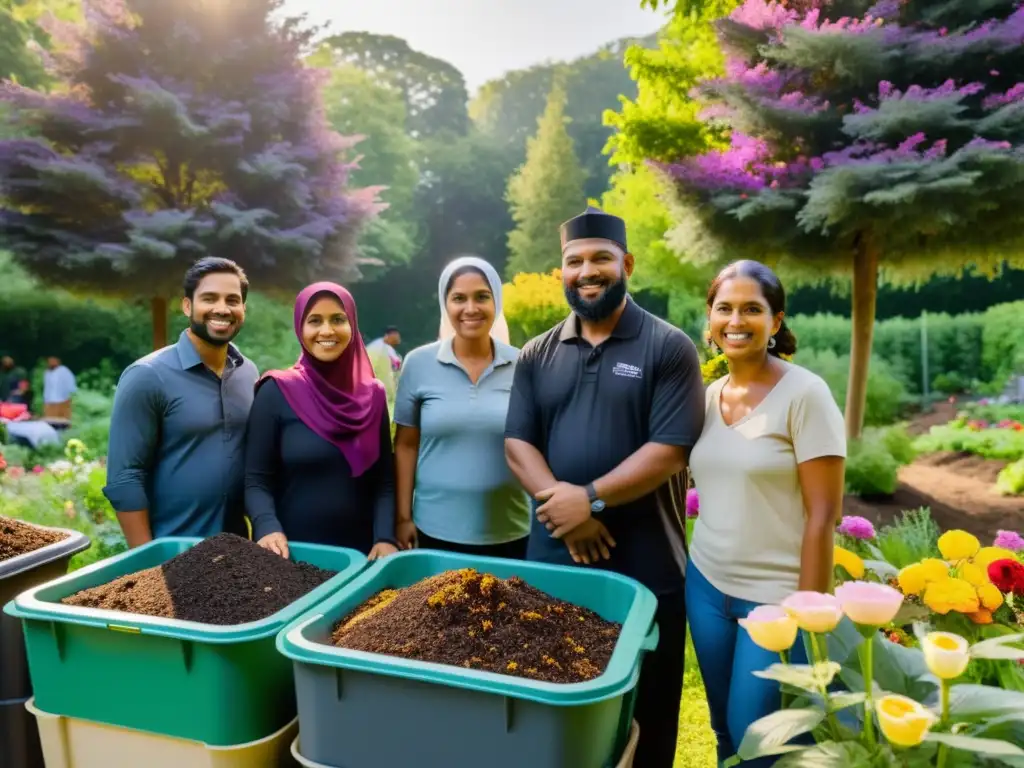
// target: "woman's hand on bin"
[[276, 543], [381, 550], [405, 533]]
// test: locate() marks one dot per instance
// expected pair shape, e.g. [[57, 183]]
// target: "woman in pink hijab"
[[319, 465]]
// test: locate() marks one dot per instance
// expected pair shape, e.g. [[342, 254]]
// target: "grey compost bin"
[[19, 738]]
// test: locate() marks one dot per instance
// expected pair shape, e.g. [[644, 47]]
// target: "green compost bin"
[[222, 685], [457, 717]]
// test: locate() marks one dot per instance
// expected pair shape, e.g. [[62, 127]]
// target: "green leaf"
[[882, 568], [910, 613], [846, 699], [995, 747], [976, 702], [770, 735], [1008, 728], [849, 754], [896, 670], [802, 676], [995, 648]]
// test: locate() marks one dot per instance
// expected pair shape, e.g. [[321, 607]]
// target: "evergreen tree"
[[546, 191], [181, 129], [878, 138]]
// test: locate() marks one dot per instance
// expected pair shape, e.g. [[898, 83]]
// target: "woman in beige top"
[[769, 471]]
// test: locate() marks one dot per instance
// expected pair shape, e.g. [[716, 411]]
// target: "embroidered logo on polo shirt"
[[627, 370]]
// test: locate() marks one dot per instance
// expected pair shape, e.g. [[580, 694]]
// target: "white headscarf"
[[499, 330]]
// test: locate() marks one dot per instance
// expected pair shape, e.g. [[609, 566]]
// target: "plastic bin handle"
[[650, 641]]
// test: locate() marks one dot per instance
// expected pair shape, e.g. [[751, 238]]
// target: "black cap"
[[594, 222]]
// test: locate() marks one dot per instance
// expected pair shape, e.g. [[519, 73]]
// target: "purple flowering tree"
[[181, 129], [873, 138]]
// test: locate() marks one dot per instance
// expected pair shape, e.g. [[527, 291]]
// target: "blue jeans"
[[727, 658]]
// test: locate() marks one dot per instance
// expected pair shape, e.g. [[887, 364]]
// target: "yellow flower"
[[914, 578], [950, 594], [850, 562], [958, 545], [988, 555], [903, 721], [990, 596], [947, 655], [973, 574], [771, 628]]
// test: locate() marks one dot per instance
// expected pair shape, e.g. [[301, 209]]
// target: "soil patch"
[[475, 620], [223, 580], [965, 465], [958, 488], [18, 538]]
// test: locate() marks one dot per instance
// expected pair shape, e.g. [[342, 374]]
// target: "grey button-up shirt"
[[177, 440]]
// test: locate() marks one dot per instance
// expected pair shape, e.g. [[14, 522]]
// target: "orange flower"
[[981, 616]]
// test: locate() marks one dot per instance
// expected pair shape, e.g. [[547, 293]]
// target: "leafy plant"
[[871, 470], [1010, 481], [912, 537]]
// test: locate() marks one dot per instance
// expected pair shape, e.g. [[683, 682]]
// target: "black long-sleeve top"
[[299, 484]]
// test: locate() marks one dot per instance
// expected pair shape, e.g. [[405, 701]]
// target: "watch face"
[[597, 506]]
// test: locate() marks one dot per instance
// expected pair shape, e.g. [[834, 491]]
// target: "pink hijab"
[[342, 401]]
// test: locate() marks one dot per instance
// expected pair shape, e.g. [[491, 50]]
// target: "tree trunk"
[[158, 309], [865, 295]]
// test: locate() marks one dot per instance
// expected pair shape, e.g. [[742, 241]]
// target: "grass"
[[696, 745]]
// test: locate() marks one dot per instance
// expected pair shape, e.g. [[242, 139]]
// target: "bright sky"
[[486, 38]]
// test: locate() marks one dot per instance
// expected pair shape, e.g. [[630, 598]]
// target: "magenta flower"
[[857, 527], [1010, 540], [692, 503]]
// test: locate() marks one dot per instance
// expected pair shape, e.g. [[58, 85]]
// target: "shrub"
[[1010, 481], [871, 470], [533, 303], [886, 391], [989, 443]]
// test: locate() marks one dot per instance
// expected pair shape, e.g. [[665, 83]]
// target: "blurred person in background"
[[58, 387]]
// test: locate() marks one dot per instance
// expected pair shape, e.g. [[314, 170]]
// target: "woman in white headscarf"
[[454, 489]]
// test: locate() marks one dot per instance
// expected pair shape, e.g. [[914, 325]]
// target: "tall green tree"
[[508, 107], [180, 132], [866, 137], [434, 91], [544, 192], [358, 105]]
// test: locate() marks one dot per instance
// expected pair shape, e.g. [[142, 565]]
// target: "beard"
[[601, 308], [198, 327]]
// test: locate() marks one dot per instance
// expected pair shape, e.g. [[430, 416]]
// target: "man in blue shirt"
[[175, 465]]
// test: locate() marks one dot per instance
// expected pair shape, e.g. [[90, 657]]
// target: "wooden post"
[[158, 310], [865, 296]]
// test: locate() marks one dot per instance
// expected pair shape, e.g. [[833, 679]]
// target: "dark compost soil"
[[223, 580], [475, 620], [18, 538]]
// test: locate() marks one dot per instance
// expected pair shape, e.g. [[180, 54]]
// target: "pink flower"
[[873, 605], [37, 469], [692, 503], [857, 527], [814, 611], [1010, 540]]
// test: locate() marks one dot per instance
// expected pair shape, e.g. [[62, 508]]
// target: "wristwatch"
[[596, 505]]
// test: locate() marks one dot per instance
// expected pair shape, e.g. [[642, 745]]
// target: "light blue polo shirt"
[[465, 493]]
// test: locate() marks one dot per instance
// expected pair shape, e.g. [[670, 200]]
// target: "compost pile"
[[18, 538], [223, 580], [475, 620]]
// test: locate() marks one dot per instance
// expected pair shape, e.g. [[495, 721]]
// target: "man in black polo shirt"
[[603, 412]]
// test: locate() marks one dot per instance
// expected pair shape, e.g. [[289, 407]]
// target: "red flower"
[[1007, 575]]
